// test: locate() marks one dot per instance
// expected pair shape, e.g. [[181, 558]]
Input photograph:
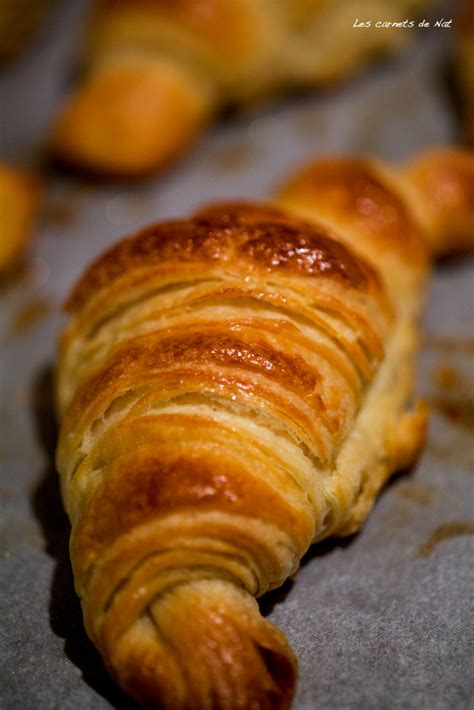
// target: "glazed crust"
[[373, 206], [256, 237], [158, 70], [233, 387]]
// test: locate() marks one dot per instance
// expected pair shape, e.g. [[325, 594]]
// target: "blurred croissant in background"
[[19, 22], [158, 70], [19, 197], [465, 66]]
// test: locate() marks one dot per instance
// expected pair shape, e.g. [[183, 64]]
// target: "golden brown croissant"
[[18, 206], [232, 388], [465, 65], [19, 22], [158, 70]]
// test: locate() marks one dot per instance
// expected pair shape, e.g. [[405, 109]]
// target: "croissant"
[[465, 65], [159, 70], [20, 21], [19, 194], [232, 388]]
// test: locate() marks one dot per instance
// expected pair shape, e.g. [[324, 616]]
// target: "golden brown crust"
[[368, 206], [356, 195], [426, 206], [241, 233], [442, 185]]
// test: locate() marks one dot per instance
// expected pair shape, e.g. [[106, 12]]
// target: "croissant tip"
[[205, 645], [129, 119]]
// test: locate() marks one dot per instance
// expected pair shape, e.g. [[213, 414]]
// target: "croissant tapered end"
[[361, 200], [441, 189], [426, 206], [133, 115], [204, 645]]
